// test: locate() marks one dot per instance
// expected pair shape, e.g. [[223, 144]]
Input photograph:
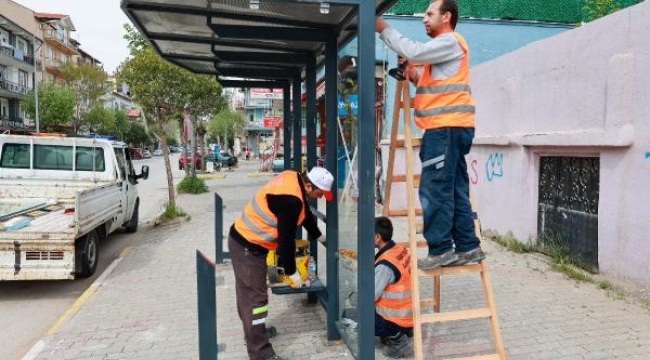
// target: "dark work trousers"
[[252, 298], [385, 328], [444, 190]]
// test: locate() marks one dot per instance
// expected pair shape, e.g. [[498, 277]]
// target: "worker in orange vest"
[[269, 222], [444, 109], [393, 307]]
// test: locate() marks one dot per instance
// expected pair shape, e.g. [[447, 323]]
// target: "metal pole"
[[207, 307], [37, 118], [366, 179], [332, 224]]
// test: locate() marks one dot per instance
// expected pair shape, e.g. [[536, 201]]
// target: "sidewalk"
[[147, 307]]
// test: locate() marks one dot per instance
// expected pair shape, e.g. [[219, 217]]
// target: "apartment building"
[[59, 48], [19, 37]]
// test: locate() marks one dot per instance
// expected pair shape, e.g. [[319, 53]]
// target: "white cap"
[[322, 179]]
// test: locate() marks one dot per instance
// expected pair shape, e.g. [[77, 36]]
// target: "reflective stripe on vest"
[[445, 102], [257, 223], [394, 304]]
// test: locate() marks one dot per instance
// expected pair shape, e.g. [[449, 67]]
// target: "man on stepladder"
[[444, 109]]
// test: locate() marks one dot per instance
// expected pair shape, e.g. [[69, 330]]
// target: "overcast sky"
[[98, 23]]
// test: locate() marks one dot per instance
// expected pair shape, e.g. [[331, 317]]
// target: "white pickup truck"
[[59, 197]]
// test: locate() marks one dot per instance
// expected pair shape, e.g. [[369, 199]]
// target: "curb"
[[36, 350]]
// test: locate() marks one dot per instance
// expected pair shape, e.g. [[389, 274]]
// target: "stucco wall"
[[583, 92]]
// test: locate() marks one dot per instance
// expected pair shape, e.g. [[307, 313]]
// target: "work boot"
[[435, 261], [398, 346], [275, 357], [468, 257]]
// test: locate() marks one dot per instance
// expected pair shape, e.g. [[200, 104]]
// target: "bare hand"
[[380, 24]]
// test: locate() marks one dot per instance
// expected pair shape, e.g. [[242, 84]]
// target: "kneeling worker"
[[393, 307], [269, 222]]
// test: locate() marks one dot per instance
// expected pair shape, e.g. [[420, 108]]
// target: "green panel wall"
[[563, 11]]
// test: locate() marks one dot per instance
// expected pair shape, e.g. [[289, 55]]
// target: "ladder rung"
[[481, 357], [456, 315], [403, 212], [428, 302], [402, 178], [420, 243], [416, 141], [452, 270]]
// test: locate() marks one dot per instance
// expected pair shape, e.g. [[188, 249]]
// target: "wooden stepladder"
[[403, 103]]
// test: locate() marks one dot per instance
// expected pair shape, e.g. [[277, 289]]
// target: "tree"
[[163, 90], [99, 120], [55, 105], [122, 125], [225, 125], [89, 83], [137, 136]]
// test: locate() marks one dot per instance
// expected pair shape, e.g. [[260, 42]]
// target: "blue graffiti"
[[647, 155], [494, 166]]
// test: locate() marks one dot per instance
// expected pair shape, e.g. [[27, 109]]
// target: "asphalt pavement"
[[146, 306]]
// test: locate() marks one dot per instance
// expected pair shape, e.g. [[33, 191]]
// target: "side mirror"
[[145, 172]]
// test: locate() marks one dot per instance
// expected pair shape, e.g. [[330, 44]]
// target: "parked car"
[[226, 160], [146, 154], [158, 152], [136, 153], [188, 160]]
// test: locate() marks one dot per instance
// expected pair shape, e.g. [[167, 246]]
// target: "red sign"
[[272, 121]]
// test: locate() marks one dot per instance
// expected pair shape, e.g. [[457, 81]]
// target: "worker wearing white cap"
[[269, 222]]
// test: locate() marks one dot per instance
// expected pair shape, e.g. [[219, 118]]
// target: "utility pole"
[[36, 117]]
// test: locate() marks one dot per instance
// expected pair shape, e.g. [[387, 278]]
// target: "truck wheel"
[[87, 254], [132, 225]]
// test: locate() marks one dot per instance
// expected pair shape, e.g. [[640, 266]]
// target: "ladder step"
[[420, 244], [403, 212], [482, 357], [428, 302], [402, 178], [452, 270], [416, 141], [456, 315]]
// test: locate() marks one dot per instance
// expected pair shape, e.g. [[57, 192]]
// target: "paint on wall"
[[473, 172], [494, 166]]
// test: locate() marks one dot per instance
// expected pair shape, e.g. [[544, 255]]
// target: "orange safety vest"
[[447, 102], [257, 223], [394, 304]]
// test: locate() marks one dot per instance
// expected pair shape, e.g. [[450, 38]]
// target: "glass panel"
[[15, 156], [90, 159], [348, 219], [52, 157]]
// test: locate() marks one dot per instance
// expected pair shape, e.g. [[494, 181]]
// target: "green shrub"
[[192, 185], [170, 212]]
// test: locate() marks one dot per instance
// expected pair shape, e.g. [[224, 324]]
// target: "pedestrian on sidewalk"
[[393, 307], [269, 222], [444, 109]]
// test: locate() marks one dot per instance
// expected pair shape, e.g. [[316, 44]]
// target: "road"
[[28, 309]]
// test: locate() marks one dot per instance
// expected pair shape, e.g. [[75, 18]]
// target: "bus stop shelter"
[[282, 44]]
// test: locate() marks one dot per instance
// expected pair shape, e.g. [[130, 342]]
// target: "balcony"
[[14, 125], [59, 40], [55, 67], [16, 58], [12, 90]]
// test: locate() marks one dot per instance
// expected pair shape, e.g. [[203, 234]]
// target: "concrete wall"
[[583, 92]]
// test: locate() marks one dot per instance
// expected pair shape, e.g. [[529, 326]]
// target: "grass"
[[192, 185], [511, 243], [170, 212], [604, 285]]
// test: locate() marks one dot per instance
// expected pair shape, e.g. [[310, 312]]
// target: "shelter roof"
[[253, 39]]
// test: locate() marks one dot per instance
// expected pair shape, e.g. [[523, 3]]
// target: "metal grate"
[[43, 255], [568, 206]]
